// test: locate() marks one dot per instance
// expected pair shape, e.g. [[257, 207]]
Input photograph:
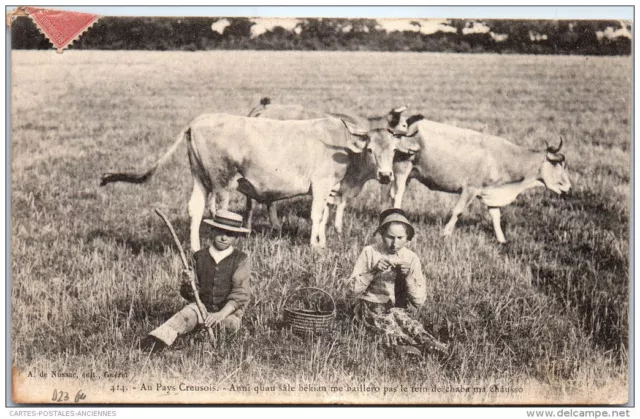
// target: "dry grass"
[[93, 269]]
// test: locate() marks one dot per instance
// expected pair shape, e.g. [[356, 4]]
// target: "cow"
[[362, 167], [472, 164], [270, 160]]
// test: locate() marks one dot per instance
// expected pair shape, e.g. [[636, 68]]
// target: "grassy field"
[[94, 269]]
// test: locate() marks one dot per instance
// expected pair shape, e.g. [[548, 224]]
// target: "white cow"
[[472, 164], [271, 160], [361, 169]]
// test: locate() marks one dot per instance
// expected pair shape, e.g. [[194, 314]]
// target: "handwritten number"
[[63, 396], [80, 396]]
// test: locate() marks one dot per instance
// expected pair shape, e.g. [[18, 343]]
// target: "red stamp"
[[61, 27]]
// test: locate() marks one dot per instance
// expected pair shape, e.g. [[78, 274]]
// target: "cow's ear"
[[408, 145], [357, 144], [555, 158], [393, 117]]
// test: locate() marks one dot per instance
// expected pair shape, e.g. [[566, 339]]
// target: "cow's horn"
[[399, 110], [354, 130], [552, 149]]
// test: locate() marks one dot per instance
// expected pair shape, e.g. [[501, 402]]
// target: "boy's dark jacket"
[[228, 281]]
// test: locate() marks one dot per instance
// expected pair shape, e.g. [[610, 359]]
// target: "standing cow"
[[271, 160], [472, 164], [361, 169]]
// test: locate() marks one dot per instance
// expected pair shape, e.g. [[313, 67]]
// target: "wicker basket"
[[309, 321]]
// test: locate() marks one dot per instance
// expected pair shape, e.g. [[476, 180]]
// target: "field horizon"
[[94, 269]]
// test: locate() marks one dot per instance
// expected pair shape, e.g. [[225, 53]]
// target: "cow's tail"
[[133, 177]]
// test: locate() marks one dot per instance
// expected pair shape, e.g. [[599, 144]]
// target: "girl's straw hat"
[[228, 221], [395, 215]]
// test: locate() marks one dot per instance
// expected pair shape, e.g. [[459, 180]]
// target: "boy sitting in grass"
[[387, 280], [223, 279]]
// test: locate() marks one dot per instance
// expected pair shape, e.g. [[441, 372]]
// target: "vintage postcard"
[[235, 210]]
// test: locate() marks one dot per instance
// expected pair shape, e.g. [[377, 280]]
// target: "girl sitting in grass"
[[387, 281]]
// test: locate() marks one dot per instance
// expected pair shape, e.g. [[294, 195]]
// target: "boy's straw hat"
[[395, 215], [228, 221]]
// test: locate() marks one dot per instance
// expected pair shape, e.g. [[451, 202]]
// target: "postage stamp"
[[319, 238], [60, 27]]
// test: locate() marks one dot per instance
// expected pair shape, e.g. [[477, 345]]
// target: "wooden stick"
[[196, 294]]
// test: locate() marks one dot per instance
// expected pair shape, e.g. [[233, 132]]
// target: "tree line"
[[584, 37]]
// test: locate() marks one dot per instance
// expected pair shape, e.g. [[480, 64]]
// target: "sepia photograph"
[[319, 210]]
